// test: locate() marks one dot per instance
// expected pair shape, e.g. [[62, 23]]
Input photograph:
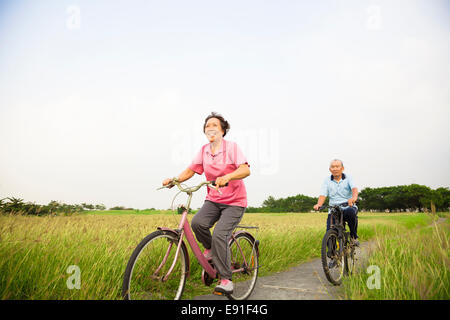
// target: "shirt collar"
[[208, 150], [343, 177]]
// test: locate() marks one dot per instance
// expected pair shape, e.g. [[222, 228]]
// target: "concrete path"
[[306, 281]]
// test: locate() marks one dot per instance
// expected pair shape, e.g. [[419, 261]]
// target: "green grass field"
[[413, 264], [35, 252]]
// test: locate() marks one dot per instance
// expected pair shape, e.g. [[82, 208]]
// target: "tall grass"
[[413, 264], [35, 252]]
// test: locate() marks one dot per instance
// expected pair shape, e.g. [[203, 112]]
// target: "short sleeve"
[[197, 163], [324, 188], [351, 183], [237, 156]]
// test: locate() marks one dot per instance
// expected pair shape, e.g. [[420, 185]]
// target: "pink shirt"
[[227, 160]]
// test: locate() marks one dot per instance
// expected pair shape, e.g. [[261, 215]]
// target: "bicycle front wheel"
[[333, 257], [244, 265], [146, 275]]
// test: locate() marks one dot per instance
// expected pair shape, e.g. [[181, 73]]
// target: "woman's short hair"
[[223, 123]]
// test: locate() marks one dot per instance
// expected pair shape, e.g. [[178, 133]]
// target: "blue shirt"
[[338, 192]]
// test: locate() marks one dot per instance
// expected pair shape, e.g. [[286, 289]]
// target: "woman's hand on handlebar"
[[221, 182], [168, 182]]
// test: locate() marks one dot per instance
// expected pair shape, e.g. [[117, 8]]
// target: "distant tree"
[[118, 208], [441, 198], [298, 203], [100, 207]]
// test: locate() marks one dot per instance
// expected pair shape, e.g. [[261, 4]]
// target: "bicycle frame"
[[184, 230], [340, 225]]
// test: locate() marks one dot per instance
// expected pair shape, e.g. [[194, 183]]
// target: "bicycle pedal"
[[218, 293]]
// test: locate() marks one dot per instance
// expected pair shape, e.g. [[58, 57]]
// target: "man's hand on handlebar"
[[351, 202], [318, 207]]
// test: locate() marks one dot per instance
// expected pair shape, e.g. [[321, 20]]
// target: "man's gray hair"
[[342, 162]]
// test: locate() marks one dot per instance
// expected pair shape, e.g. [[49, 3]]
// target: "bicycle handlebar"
[[188, 189], [334, 206]]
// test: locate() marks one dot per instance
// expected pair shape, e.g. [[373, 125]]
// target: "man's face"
[[336, 168]]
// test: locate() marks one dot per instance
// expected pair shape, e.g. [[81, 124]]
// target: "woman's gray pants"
[[227, 218]]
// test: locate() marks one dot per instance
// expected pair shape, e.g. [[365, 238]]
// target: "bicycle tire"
[[350, 259], [244, 288], [334, 279], [171, 237]]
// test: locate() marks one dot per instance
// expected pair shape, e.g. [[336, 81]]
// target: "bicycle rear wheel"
[[350, 259], [333, 257], [244, 264], [150, 262]]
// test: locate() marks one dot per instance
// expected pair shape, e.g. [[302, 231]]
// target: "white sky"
[[102, 100]]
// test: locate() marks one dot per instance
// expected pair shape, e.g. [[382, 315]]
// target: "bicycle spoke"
[[146, 280], [333, 258], [244, 266]]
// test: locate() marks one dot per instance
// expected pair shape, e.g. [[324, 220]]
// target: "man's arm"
[[352, 201], [320, 202], [322, 195]]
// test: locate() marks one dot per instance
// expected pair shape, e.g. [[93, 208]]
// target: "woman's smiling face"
[[213, 130]]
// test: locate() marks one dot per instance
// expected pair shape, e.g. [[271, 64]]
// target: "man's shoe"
[[356, 242], [225, 286]]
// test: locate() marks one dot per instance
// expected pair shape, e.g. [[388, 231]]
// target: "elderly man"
[[340, 188]]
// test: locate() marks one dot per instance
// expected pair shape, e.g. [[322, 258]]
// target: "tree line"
[[412, 197], [405, 198], [16, 206]]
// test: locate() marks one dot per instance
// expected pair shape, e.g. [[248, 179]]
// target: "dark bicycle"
[[338, 248]]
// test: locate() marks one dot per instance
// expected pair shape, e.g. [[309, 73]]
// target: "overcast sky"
[[102, 100]]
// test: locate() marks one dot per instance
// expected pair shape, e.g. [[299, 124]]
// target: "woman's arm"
[[240, 173], [185, 175]]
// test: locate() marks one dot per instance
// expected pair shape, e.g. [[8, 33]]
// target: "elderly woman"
[[222, 161]]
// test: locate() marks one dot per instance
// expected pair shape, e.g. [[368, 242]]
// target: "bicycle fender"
[[177, 235], [251, 237]]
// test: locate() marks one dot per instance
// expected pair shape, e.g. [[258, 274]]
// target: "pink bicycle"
[[159, 266]]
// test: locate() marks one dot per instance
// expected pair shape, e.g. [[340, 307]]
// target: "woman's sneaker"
[[207, 254], [225, 286]]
